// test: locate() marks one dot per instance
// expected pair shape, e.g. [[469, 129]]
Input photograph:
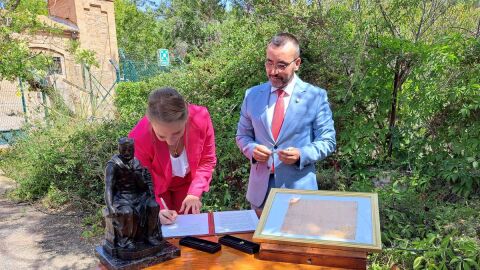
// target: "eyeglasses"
[[279, 66]]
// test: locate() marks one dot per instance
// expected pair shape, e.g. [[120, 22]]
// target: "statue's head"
[[126, 148]]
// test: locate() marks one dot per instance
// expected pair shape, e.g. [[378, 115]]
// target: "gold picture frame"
[[321, 219]]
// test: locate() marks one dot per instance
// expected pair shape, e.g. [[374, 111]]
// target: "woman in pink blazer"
[[176, 142]]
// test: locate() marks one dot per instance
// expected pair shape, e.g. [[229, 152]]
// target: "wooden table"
[[227, 258]]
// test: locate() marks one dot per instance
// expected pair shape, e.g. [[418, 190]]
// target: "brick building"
[[92, 23]]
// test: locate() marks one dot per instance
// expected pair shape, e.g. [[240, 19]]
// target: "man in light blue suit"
[[285, 125]]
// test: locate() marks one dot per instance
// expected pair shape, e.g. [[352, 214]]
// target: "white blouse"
[[180, 166]]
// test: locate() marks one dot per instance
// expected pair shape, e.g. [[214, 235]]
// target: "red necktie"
[[278, 114]]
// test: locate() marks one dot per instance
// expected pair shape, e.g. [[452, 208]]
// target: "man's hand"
[[261, 153], [191, 202], [167, 216], [289, 155]]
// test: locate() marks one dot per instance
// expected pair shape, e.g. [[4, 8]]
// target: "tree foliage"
[[139, 33], [143, 28], [19, 18]]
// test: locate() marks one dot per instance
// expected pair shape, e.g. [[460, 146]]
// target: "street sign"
[[163, 57]]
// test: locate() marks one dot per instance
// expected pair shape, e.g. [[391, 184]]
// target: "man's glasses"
[[279, 66]]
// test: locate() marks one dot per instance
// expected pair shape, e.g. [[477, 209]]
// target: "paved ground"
[[32, 239]]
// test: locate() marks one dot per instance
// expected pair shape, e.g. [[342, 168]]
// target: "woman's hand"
[[191, 202], [167, 216]]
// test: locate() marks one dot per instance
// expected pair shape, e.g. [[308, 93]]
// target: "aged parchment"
[[323, 218]]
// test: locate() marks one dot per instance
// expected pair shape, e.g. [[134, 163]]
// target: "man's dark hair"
[[281, 39]]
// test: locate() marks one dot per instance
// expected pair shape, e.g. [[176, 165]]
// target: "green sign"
[[163, 57]]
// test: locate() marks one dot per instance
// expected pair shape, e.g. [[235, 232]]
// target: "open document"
[[235, 221], [186, 225], [212, 223]]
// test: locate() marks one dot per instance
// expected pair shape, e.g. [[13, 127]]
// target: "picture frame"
[[321, 219]]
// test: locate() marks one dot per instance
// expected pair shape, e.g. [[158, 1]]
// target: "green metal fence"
[[133, 70]]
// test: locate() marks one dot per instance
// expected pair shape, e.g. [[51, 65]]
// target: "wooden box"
[[326, 228]]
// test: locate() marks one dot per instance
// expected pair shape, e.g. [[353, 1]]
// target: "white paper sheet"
[[194, 224], [235, 221]]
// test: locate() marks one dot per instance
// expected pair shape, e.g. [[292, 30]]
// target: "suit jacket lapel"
[[263, 99], [289, 122]]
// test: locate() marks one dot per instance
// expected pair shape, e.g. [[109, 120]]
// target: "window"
[[56, 67]]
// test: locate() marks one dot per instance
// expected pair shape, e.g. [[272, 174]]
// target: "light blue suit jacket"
[[308, 126]]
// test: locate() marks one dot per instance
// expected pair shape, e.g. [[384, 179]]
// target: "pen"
[[164, 204], [170, 216]]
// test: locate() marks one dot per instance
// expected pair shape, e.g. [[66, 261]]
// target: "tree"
[[181, 26], [18, 19], [139, 33], [412, 28]]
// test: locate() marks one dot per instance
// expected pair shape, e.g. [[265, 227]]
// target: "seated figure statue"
[[131, 207]]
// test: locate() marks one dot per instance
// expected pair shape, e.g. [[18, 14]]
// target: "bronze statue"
[[133, 230], [130, 199]]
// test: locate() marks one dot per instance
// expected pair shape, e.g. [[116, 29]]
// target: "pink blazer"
[[199, 141]]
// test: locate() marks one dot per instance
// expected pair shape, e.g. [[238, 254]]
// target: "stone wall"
[[95, 20]]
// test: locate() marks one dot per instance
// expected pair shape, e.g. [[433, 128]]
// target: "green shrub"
[[65, 158], [422, 229], [54, 198]]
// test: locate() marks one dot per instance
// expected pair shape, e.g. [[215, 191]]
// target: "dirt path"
[[31, 239]]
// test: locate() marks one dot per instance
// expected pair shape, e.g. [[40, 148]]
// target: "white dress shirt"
[[273, 99], [180, 165]]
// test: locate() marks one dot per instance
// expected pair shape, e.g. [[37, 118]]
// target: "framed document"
[[324, 219]]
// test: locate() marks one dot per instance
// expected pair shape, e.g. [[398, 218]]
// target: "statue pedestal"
[[140, 258]]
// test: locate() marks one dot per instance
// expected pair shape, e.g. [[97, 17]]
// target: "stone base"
[[167, 252], [142, 250]]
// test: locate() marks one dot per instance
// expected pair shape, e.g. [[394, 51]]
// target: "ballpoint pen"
[[164, 204]]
